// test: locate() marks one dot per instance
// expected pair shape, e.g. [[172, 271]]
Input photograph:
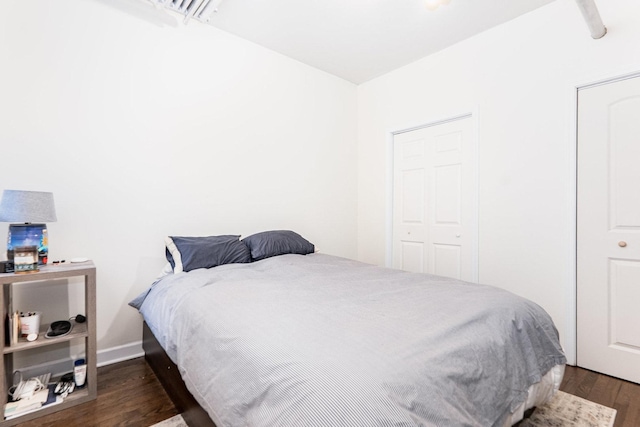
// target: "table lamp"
[[32, 209]]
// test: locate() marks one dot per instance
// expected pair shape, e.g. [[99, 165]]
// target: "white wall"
[[521, 78], [142, 128]]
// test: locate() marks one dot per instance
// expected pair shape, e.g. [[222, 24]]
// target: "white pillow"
[[175, 253]]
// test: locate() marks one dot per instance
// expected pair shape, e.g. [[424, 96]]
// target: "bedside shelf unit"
[[85, 331]]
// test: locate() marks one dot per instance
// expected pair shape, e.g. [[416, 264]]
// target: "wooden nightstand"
[[81, 331]]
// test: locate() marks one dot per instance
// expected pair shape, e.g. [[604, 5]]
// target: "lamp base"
[[21, 235]]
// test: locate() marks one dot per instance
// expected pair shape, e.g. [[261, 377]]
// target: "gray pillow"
[[278, 242], [189, 253]]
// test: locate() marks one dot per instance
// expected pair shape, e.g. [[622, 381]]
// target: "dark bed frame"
[[169, 376]]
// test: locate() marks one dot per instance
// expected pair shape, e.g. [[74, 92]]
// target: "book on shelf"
[[39, 400], [11, 328], [15, 328]]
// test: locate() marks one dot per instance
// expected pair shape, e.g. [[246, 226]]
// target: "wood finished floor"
[[612, 392], [129, 394]]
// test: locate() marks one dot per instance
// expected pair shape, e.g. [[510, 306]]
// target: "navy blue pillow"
[[189, 253], [278, 242]]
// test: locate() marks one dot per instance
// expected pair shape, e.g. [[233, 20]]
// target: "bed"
[[318, 340]]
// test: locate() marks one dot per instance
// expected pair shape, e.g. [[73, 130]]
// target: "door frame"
[[435, 121], [571, 343]]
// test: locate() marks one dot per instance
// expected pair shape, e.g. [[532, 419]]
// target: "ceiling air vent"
[[198, 9]]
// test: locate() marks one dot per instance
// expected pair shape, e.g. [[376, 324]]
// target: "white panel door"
[[608, 258], [433, 209]]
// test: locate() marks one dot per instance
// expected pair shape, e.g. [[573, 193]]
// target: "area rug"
[[567, 410], [564, 410], [176, 421]]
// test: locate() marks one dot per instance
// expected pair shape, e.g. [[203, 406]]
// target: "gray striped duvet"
[[318, 340]]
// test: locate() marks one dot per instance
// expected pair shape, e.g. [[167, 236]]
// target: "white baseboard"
[[120, 353], [105, 357], [55, 367]]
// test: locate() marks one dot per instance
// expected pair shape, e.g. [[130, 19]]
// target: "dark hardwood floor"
[[612, 392], [129, 394]]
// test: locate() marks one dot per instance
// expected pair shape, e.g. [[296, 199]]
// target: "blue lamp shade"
[[31, 209]]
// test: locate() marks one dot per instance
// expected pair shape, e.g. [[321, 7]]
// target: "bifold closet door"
[[433, 200]]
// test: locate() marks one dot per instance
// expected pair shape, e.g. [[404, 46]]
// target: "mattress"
[[318, 340]]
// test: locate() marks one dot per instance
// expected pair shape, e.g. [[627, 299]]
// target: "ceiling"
[[362, 39]]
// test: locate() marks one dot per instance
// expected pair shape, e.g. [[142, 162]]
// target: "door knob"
[[622, 244], [458, 235]]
